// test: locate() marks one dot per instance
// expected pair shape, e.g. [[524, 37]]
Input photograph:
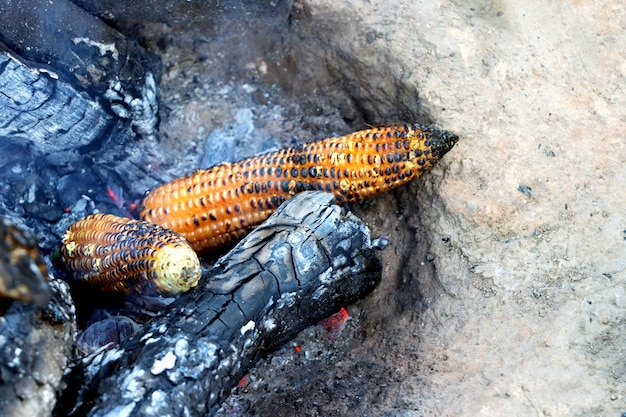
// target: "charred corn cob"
[[123, 255], [213, 207]]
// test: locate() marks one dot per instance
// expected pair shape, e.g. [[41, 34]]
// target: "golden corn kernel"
[[213, 207], [117, 254]]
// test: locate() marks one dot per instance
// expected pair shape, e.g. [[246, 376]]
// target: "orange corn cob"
[[123, 255], [213, 207]]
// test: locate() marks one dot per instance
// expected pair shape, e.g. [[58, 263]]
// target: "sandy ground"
[[505, 282]]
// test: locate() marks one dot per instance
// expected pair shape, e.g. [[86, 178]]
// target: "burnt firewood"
[[37, 326], [304, 263], [59, 147], [45, 114], [50, 136], [36, 345], [65, 41]]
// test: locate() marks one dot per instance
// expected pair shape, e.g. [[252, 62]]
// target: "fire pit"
[[231, 81]]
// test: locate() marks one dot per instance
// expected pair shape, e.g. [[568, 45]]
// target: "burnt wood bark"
[[305, 262], [64, 76], [52, 142], [48, 115], [37, 326], [36, 345], [65, 41], [23, 271]]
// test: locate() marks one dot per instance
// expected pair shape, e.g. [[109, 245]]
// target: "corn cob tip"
[[178, 269], [442, 141]]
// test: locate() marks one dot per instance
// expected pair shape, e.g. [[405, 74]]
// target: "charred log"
[[47, 114], [36, 326], [305, 262], [36, 345], [64, 40], [51, 134]]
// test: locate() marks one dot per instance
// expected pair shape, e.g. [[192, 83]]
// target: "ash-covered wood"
[[304, 263], [60, 150], [50, 136], [47, 114], [37, 326], [64, 40], [64, 77], [36, 345]]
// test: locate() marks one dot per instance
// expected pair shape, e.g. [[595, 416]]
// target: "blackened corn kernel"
[[117, 254]]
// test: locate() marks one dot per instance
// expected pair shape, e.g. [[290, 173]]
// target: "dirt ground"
[[504, 288]]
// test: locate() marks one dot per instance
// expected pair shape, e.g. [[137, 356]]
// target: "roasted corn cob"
[[123, 255], [213, 207]]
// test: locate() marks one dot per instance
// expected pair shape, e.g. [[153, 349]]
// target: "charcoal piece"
[[111, 330], [525, 189], [57, 145], [303, 264]]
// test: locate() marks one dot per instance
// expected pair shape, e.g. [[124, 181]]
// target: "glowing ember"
[[335, 323]]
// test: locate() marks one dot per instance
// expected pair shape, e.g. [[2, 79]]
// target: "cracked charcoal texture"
[[81, 49], [64, 77], [304, 263], [48, 114], [51, 135]]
